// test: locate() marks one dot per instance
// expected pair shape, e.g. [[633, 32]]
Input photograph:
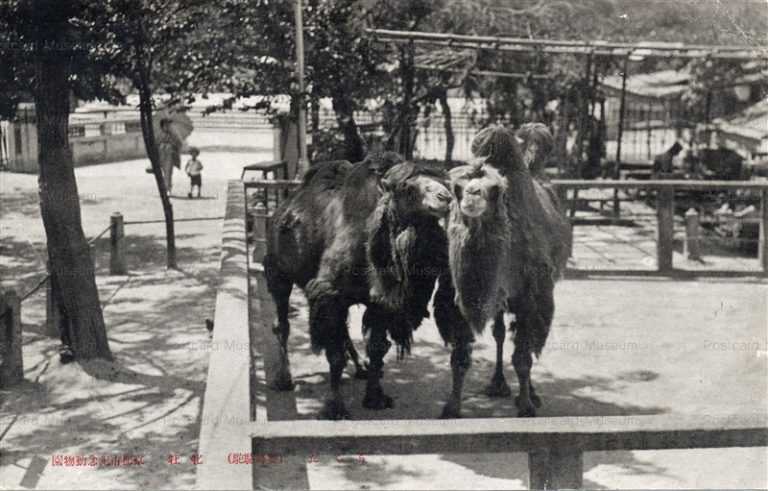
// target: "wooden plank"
[[582, 184], [227, 403], [677, 274], [657, 184], [593, 433], [272, 184]]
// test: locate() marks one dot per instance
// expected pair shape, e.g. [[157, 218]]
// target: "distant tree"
[[153, 44], [342, 63]]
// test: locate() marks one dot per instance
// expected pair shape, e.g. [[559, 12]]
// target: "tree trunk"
[[450, 139], [148, 132], [68, 250], [345, 116]]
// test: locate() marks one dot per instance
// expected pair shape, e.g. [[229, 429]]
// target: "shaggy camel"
[[352, 236], [508, 244]]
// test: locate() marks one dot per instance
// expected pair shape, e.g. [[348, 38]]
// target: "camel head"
[[405, 221], [538, 143], [417, 190], [478, 189], [379, 161], [499, 147]]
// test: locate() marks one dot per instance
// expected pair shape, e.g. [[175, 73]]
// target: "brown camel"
[[508, 244], [352, 236]]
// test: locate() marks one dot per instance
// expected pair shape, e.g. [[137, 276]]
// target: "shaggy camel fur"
[[508, 244], [352, 236]]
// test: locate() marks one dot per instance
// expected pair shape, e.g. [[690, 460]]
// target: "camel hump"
[[327, 175]]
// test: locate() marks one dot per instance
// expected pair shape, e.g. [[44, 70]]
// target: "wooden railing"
[[665, 208], [555, 446]]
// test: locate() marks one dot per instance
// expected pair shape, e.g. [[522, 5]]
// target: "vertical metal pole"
[[583, 119], [648, 129], [707, 118], [260, 218], [763, 251], [620, 136], [303, 164]]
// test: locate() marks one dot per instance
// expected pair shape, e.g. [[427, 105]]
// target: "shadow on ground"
[[419, 385], [147, 402]]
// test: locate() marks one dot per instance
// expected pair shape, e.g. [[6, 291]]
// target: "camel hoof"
[[334, 410], [525, 410], [450, 411], [378, 401], [498, 388], [536, 400], [361, 372], [282, 383]]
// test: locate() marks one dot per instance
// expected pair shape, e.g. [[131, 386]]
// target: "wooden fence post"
[[52, 313], [555, 468], [117, 245], [665, 214], [260, 218], [692, 235], [11, 363], [763, 245]]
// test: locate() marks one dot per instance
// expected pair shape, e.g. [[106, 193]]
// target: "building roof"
[[751, 123], [661, 84]]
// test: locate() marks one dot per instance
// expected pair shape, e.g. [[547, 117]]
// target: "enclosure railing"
[[665, 213], [665, 209], [555, 446]]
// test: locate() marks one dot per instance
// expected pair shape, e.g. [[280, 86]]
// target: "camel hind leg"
[[280, 288], [361, 369], [499, 386]]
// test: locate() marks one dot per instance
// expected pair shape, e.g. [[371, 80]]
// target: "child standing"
[[194, 170]]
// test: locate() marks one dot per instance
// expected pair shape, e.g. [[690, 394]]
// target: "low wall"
[[107, 148], [86, 150], [227, 401]]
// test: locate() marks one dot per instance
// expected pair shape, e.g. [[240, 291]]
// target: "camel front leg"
[[375, 321], [280, 288], [499, 386], [522, 360], [461, 360], [335, 408]]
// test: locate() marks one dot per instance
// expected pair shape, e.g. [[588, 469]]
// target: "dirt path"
[[618, 348], [147, 404]]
